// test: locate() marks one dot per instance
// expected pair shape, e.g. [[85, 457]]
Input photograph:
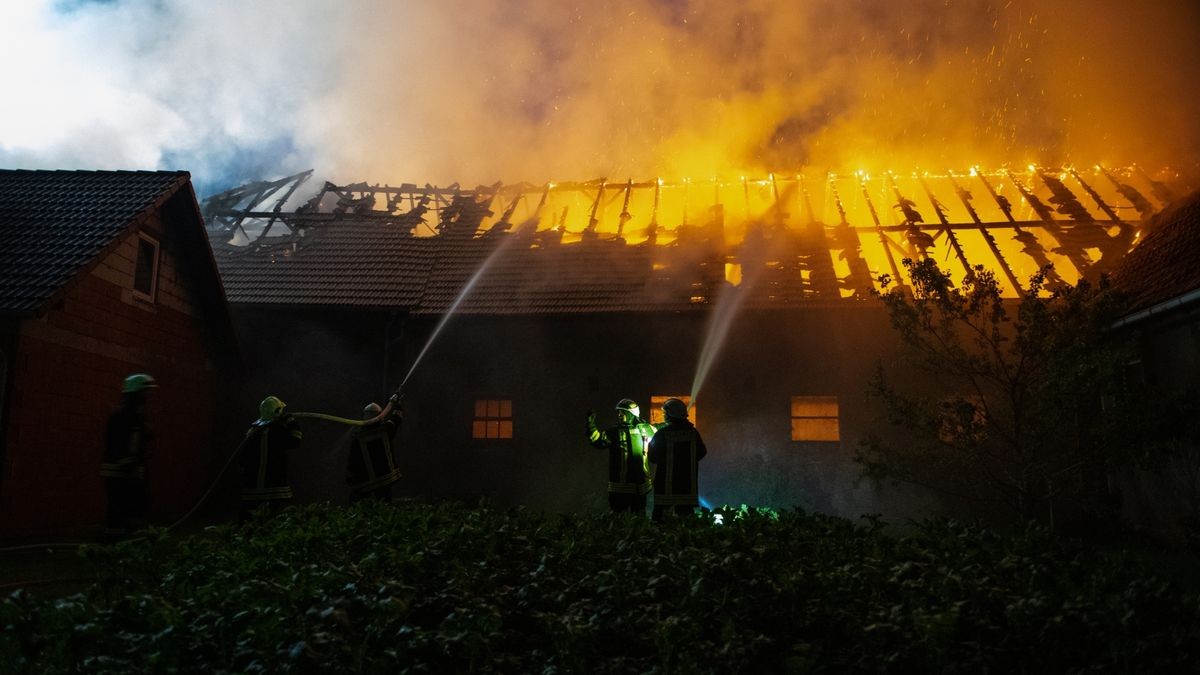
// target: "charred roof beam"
[[941, 214], [965, 197]]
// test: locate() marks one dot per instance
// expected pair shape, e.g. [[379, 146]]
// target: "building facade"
[[1161, 280], [506, 324], [105, 274]]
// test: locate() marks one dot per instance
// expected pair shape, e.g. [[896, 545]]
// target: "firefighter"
[[371, 465], [264, 458], [628, 479], [124, 469], [674, 455]]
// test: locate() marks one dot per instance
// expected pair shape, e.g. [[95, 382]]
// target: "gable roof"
[[1166, 263], [348, 263], [353, 264], [340, 247], [592, 276], [54, 223]]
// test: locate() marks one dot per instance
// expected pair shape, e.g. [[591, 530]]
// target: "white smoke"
[[485, 90]]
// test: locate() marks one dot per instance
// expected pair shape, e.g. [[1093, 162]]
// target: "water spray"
[[462, 295], [720, 320]]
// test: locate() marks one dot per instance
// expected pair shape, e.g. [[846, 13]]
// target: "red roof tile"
[[348, 262], [1166, 263], [340, 263]]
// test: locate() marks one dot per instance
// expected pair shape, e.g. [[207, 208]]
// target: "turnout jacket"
[[264, 459], [372, 462], [626, 445], [125, 439], [674, 454]]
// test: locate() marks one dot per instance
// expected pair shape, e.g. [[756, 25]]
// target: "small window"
[[145, 273], [493, 419], [815, 418], [963, 419], [656, 404]]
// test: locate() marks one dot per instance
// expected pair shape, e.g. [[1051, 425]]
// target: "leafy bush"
[[447, 588], [1005, 409]]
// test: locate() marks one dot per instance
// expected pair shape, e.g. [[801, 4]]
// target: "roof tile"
[[53, 222], [1166, 263]]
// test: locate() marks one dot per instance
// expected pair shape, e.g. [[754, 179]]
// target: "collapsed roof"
[[414, 248]]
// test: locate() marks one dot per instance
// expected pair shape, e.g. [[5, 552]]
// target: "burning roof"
[[603, 246]]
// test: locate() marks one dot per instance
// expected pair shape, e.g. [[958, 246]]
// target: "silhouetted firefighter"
[[124, 469], [371, 465], [674, 453], [628, 479], [264, 458]]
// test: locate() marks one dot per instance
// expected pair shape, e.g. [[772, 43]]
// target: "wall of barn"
[[316, 360], [554, 369], [66, 371], [1164, 500]]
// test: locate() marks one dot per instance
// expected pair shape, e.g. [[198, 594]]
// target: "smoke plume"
[[483, 90]]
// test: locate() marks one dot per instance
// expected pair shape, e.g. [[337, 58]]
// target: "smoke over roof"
[[485, 90]]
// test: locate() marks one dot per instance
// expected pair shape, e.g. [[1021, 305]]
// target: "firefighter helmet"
[[673, 408], [137, 382], [630, 406], [270, 409], [371, 411]]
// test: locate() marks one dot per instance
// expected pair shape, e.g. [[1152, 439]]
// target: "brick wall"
[[67, 372]]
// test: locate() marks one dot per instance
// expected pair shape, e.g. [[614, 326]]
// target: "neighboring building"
[[336, 300], [1161, 279], [103, 274]]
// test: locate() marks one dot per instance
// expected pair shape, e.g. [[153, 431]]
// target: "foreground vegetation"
[[446, 588]]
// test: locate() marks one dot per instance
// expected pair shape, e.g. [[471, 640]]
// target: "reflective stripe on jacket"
[[372, 462], [125, 445], [264, 460], [626, 445], [674, 455]]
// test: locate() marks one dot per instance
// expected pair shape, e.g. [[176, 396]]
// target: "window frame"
[[493, 412], [156, 260], [656, 414], [815, 400]]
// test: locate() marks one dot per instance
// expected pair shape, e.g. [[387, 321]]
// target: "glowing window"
[[493, 419], [733, 273], [145, 272], [815, 418], [656, 404]]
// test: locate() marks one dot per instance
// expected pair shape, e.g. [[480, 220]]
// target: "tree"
[[1007, 406]]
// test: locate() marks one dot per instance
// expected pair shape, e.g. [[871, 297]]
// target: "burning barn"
[[509, 311]]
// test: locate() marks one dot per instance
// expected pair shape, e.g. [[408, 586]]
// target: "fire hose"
[[335, 418], [383, 415]]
